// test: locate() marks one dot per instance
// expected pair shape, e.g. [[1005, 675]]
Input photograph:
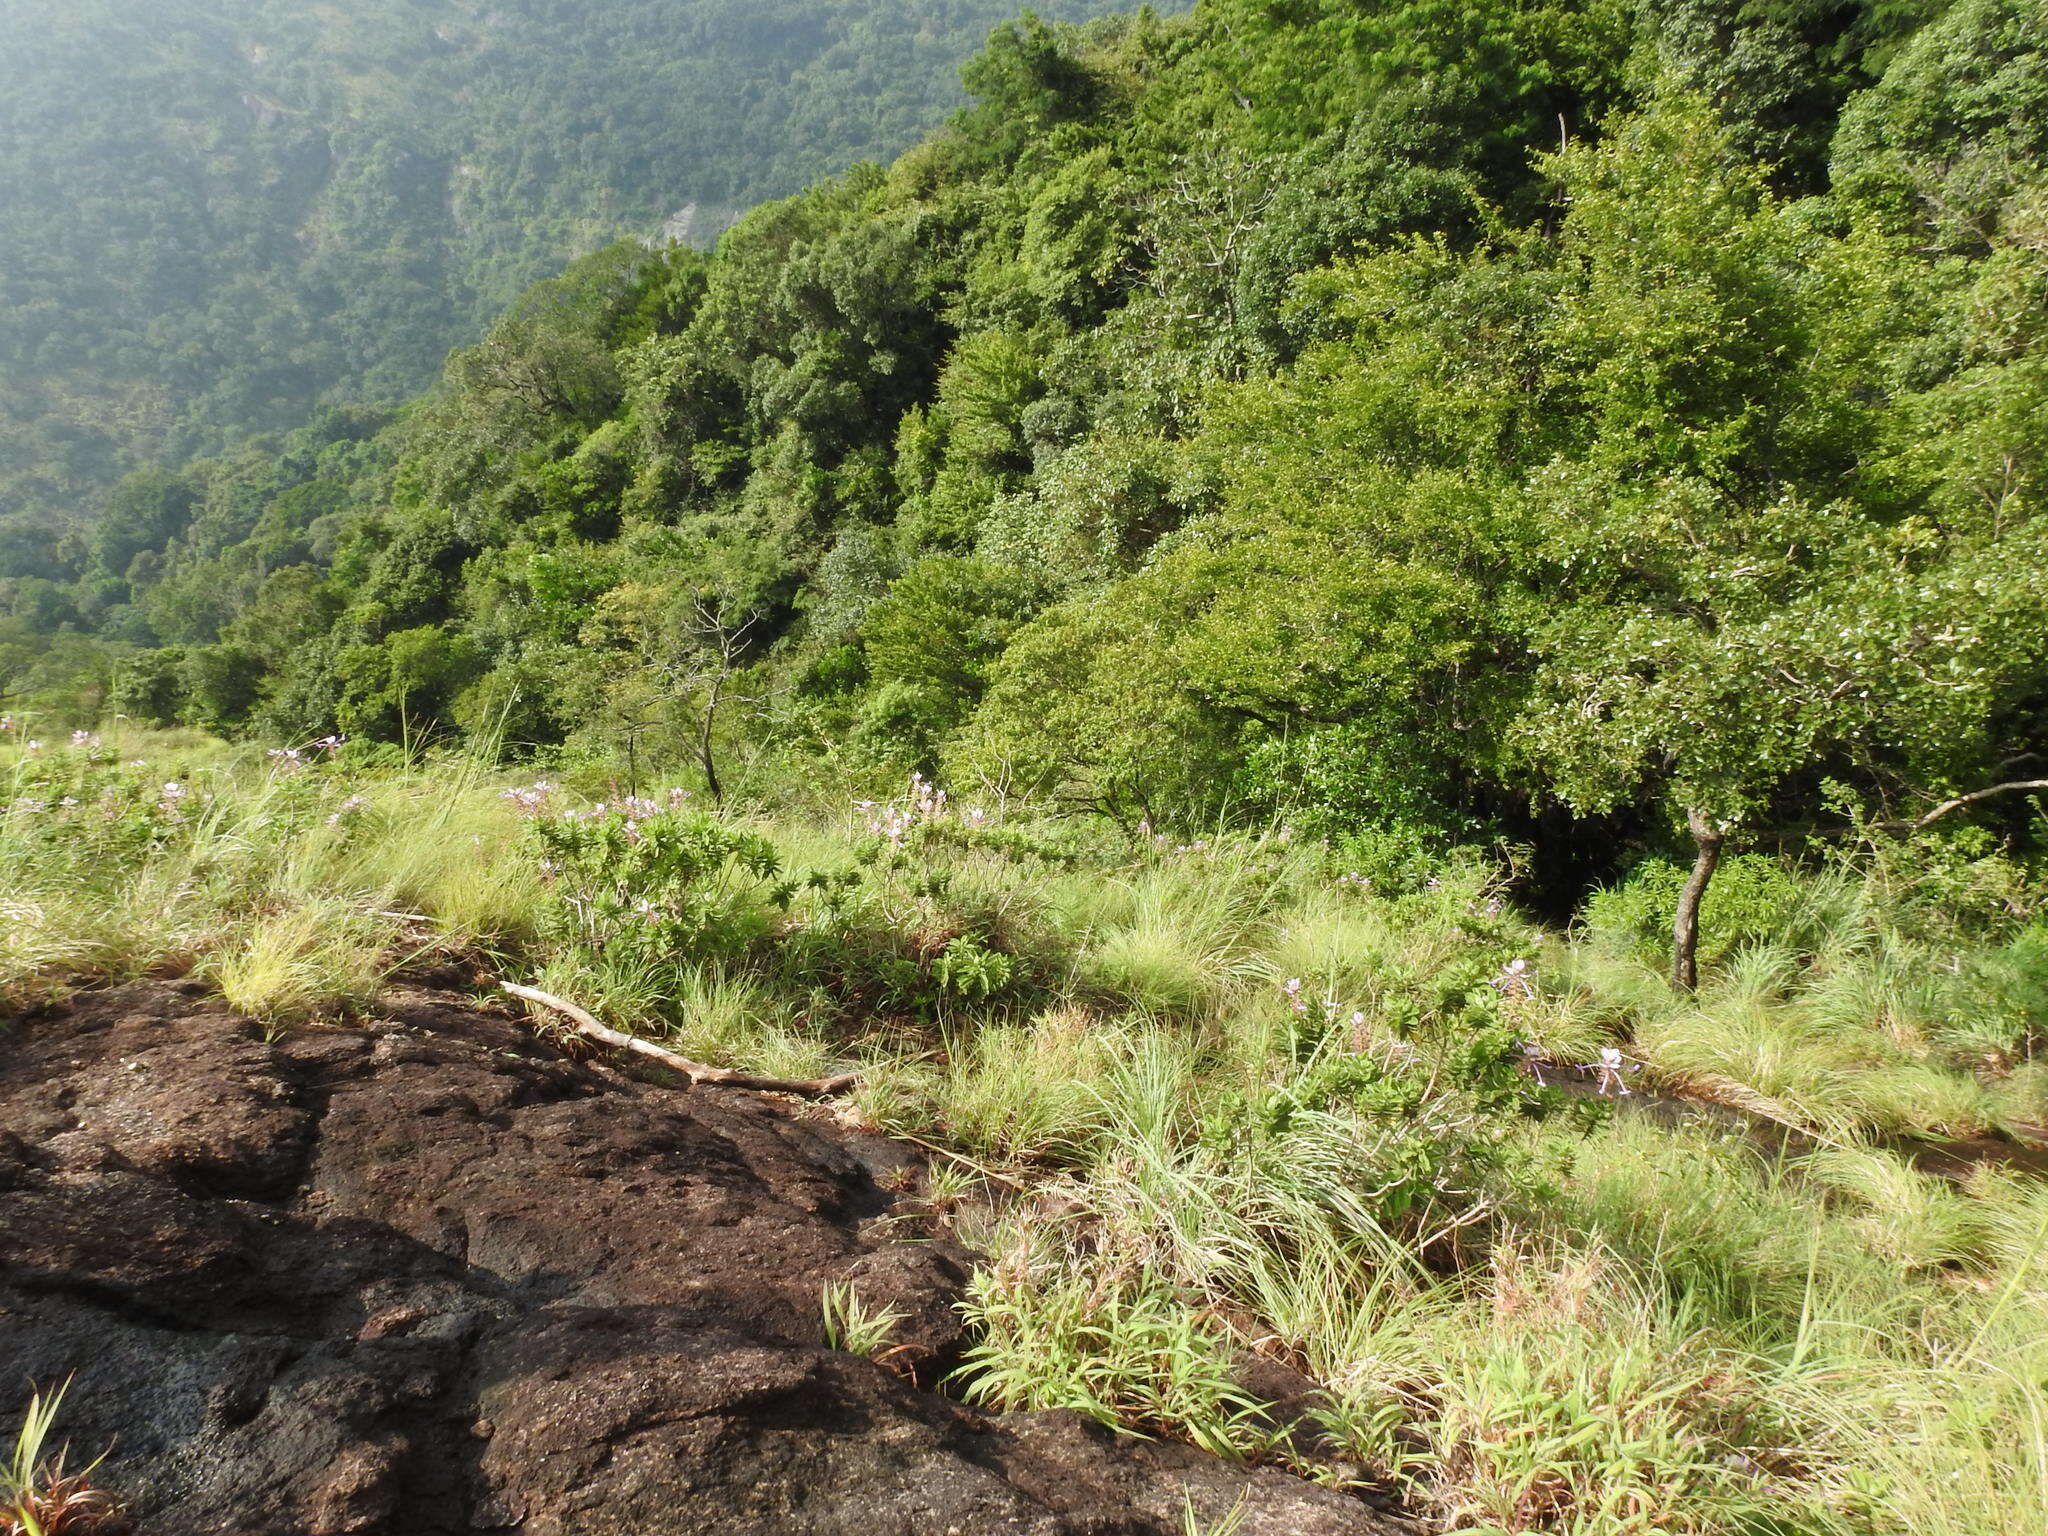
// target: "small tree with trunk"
[[680, 656], [1894, 673], [707, 644], [1748, 581]]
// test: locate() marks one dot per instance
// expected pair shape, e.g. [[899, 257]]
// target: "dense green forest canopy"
[[1434, 421], [216, 213]]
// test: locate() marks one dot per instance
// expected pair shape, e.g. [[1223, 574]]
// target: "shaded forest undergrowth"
[[1193, 1101]]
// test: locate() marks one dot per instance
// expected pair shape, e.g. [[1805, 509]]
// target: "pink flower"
[[346, 809], [1609, 1069], [533, 800], [1514, 979]]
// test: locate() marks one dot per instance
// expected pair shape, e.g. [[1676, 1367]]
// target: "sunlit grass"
[[855, 1325], [1165, 943], [1028, 1093], [1220, 1104], [303, 962]]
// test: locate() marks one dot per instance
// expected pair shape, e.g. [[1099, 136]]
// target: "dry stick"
[[719, 1076], [695, 1071], [963, 1160]]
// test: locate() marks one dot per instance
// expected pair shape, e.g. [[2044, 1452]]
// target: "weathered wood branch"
[[695, 1071], [1915, 824]]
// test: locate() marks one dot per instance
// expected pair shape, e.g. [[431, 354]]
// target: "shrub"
[[1753, 899], [646, 880]]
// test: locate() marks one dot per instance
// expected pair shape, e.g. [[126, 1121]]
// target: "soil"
[[429, 1275]]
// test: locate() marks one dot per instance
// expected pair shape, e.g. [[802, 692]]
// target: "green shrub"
[[644, 880], [1753, 899]]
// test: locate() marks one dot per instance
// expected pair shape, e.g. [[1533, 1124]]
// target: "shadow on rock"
[[428, 1276]]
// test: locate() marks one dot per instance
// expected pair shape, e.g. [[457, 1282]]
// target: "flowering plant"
[[79, 795], [655, 881]]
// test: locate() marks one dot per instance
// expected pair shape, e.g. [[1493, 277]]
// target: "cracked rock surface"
[[428, 1275]]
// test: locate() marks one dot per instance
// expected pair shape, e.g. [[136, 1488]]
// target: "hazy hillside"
[[214, 213], [1437, 434]]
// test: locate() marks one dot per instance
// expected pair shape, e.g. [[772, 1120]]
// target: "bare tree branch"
[[2016, 786], [696, 1071]]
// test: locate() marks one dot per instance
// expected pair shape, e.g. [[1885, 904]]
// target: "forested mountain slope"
[[214, 213], [1437, 422], [1378, 664]]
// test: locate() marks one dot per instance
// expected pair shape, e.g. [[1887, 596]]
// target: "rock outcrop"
[[427, 1275]]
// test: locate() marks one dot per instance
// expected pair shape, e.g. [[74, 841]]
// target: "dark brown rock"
[[429, 1276]]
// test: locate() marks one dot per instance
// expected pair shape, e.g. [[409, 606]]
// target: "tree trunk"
[[709, 764], [707, 722], [1685, 926]]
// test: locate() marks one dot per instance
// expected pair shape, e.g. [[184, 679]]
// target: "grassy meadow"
[[1229, 1098]]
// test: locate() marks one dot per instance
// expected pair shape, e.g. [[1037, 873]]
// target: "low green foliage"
[[19, 1472], [1753, 900], [1357, 1131], [647, 880]]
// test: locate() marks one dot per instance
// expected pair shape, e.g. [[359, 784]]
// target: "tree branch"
[[696, 1071], [1941, 810]]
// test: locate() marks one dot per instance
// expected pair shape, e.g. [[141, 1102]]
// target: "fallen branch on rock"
[[695, 1071]]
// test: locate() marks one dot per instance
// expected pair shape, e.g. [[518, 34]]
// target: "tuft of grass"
[[1120, 1349], [37, 1496], [1909, 1220], [1029, 1093], [444, 844], [302, 963], [44, 940], [855, 1327], [1230, 1523], [1169, 941], [1596, 1403], [718, 1015]]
